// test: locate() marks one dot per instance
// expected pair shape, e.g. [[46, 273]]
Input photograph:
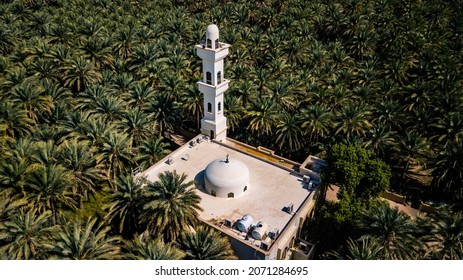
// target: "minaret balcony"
[[212, 54], [213, 89]]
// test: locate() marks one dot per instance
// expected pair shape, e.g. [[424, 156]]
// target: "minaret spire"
[[213, 85]]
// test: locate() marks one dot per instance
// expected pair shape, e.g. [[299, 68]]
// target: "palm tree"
[[381, 138], [124, 41], [316, 121], [139, 95], [449, 128], [126, 205], [362, 249], [151, 151], [165, 112], [138, 125], [289, 133], [245, 90], [14, 77], [60, 33], [32, 100], [95, 130], [193, 105], [447, 236], [48, 188], [108, 108], [447, 170], [353, 120], [262, 116], [234, 111], [7, 41], [280, 93], [87, 240], [16, 120], [44, 70], [27, 234], [58, 94], [206, 244], [144, 248], [263, 77], [97, 50], [84, 166], [143, 55], [9, 204], [395, 232], [13, 173], [80, 73], [172, 87], [117, 154], [172, 206], [411, 147]]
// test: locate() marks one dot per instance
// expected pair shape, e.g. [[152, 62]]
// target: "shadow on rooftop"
[[199, 182]]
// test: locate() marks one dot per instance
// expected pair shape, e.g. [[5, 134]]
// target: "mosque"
[[257, 199]]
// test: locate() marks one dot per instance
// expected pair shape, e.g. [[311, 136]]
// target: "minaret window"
[[219, 77], [209, 43], [217, 43], [209, 107], [219, 107], [208, 78]]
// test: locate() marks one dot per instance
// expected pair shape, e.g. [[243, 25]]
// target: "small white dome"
[[226, 178], [212, 32]]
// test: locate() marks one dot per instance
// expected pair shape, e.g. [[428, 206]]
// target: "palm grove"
[[90, 89]]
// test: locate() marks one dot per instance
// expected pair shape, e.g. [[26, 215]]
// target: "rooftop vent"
[[290, 208], [306, 179], [228, 223], [193, 143], [273, 234], [170, 160], [265, 245]]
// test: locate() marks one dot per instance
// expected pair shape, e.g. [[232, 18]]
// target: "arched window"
[[209, 107], [219, 77], [245, 188], [208, 78], [209, 43], [219, 107], [216, 43], [231, 195], [213, 193]]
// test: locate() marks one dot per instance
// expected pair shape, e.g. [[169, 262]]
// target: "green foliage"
[[335, 223], [357, 172], [206, 244], [144, 248], [446, 236], [107, 81], [86, 240], [395, 231], [362, 249], [171, 206]]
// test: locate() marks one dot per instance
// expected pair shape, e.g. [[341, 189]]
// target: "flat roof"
[[270, 190]]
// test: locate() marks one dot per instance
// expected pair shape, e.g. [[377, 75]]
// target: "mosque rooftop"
[[271, 189]]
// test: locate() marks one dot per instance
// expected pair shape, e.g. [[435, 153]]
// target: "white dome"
[[226, 178], [212, 32]]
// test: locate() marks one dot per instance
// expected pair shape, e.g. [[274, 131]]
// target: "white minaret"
[[213, 85]]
